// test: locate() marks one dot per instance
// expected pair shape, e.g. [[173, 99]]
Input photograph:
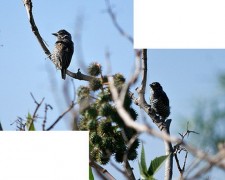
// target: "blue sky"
[[184, 74]]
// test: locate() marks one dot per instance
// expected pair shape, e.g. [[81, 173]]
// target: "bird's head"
[[62, 34], [155, 86]]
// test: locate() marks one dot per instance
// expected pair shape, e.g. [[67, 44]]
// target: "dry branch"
[[116, 24], [61, 116], [140, 101], [102, 171], [29, 7]]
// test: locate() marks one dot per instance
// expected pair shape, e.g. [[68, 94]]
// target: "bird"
[[63, 51], [159, 101]]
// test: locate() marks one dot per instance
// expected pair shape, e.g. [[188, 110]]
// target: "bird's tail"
[[63, 73]]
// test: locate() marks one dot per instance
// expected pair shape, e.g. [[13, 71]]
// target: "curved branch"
[[29, 7], [60, 117], [113, 17], [163, 126], [101, 170]]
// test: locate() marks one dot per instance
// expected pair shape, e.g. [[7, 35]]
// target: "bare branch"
[[178, 164], [29, 7], [31, 121], [38, 106], [164, 126], [103, 172], [61, 116], [134, 77], [47, 106], [127, 167], [20, 125], [118, 27], [179, 148], [129, 171]]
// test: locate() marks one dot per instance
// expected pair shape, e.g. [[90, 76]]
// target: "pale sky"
[[184, 74]]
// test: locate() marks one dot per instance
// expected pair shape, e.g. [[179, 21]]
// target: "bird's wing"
[[65, 53], [165, 99]]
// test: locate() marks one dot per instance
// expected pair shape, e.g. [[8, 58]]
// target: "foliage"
[[91, 176], [108, 133], [153, 167], [30, 123]]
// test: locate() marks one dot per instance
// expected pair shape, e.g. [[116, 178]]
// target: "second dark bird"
[[159, 101], [63, 51]]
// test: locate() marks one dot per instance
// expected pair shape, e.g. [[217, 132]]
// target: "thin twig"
[[116, 24], [38, 106], [128, 170], [134, 77], [31, 121], [185, 160], [47, 106], [28, 5], [178, 163], [178, 148], [61, 116]]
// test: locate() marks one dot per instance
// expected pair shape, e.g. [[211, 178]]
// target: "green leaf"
[[143, 162], [91, 176], [30, 123], [155, 164], [142, 165], [143, 175]]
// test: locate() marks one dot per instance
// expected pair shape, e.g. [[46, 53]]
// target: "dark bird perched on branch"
[[63, 51], [159, 101]]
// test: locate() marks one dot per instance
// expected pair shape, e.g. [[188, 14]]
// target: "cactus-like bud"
[[103, 158], [105, 127], [94, 153], [105, 79], [83, 91], [91, 112], [119, 80], [104, 96], [83, 124], [119, 143], [132, 155], [94, 69], [135, 145], [133, 113], [105, 109], [95, 84], [107, 143], [95, 138], [92, 124], [119, 157]]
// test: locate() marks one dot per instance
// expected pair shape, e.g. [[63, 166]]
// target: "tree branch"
[[35, 111], [29, 7], [61, 116], [163, 126], [113, 17], [101, 170]]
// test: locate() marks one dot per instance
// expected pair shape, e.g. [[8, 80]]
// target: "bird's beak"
[[55, 34]]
